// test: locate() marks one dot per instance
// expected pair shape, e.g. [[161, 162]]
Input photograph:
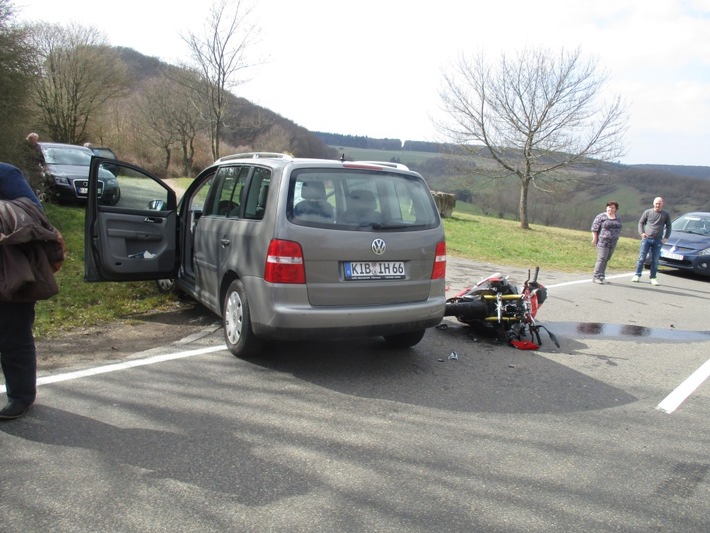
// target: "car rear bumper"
[[335, 333], [296, 319]]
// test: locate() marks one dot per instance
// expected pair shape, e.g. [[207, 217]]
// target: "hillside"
[[246, 125], [632, 186]]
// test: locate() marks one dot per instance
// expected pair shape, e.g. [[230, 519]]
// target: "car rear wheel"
[[236, 319], [405, 340]]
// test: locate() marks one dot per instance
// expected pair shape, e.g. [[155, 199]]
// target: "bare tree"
[[156, 111], [187, 126], [219, 54], [275, 139], [538, 115], [79, 73]]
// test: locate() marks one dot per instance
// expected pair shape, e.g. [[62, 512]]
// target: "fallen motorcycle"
[[495, 305]]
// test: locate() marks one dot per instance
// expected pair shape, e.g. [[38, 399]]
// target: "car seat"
[[362, 206], [314, 205]]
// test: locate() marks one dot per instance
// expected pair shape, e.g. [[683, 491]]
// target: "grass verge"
[[499, 241]]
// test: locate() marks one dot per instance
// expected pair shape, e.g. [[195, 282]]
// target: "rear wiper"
[[379, 226]]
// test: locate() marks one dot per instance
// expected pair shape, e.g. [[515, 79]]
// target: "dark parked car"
[[106, 153], [66, 174], [689, 245], [282, 248]]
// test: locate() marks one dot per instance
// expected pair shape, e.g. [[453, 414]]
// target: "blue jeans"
[[17, 350], [653, 246]]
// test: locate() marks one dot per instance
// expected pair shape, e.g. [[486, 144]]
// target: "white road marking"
[[685, 389], [588, 280], [122, 366]]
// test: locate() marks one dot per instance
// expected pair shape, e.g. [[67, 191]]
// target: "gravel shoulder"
[[120, 339]]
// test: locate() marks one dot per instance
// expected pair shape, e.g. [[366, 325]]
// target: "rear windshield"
[[104, 152], [360, 199]]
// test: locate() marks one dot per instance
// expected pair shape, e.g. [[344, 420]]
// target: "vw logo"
[[378, 246]]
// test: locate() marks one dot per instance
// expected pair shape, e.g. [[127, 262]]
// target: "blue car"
[[688, 248]]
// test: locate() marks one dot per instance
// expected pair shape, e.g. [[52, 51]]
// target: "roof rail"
[[389, 164], [255, 155]]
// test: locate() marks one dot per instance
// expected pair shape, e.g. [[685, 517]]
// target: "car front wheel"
[[236, 319], [405, 340]]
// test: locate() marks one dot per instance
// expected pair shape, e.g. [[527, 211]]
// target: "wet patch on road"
[[625, 331]]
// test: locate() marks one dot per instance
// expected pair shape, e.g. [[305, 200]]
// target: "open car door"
[[132, 238]]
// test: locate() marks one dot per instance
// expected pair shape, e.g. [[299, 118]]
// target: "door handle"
[[153, 220]]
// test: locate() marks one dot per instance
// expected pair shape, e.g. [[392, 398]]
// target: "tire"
[[405, 340], [165, 286], [115, 198], [236, 321]]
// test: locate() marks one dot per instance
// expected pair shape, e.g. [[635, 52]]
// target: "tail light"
[[284, 263], [439, 270]]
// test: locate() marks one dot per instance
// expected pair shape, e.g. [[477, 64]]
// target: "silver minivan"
[[281, 248]]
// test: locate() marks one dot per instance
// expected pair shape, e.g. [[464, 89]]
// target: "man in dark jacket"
[[30, 249]]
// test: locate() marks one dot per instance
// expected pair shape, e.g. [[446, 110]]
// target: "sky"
[[375, 67]]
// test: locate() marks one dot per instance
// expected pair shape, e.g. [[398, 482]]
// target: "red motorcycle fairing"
[[494, 304]]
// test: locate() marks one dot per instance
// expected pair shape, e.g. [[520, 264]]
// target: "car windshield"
[[693, 224], [360, 199], [66, 155]]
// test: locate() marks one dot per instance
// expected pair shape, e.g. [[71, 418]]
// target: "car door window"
[[230, 183], [258, 193], [137, 190]]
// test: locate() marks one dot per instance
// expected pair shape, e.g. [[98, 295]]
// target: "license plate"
[[374, 270], [668, 255], [83, 190]]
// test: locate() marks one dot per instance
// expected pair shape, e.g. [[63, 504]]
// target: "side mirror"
[[157, 205]]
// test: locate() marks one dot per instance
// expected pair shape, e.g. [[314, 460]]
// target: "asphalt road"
[[354, 437]]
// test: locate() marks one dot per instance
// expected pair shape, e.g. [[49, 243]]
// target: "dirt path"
[[119, 339]]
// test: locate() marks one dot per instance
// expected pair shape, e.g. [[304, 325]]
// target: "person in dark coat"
[[31, 251]]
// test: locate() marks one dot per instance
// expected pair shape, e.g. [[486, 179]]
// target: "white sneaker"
[[636, 279], [654, 281]]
